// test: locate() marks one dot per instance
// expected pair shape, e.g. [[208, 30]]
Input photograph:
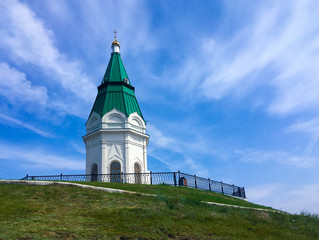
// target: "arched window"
[[94, 172], [137, 173], [115, 170]]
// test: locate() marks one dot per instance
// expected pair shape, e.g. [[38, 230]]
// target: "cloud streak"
[[186, 149], [16, 122], [15, 87], [278, 157], [309, 127], [304, 198], [39, 158]]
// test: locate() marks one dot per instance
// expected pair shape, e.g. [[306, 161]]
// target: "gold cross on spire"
[[115, 42], [115, 32]]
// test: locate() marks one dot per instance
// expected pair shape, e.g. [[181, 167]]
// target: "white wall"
[[116, 137]]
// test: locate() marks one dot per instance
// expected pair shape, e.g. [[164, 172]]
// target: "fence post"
[[222, 187], [244, 194], [233, 189], [27, 177], [175, 184], [179, 178], [151, 178], [210, 189], [195, 181], [61, 177]]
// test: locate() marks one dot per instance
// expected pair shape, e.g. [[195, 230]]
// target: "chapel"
[[116, 140]]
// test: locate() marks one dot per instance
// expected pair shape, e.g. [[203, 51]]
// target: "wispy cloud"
[[313, 141], [181, 147], [309, 127], [260, 192], [26, 96], [39, 158], [26, 38], [79, 148], [305, 198], [275, 49], [278, 157], [280, 196], [16, 122], [161, 140], [16, 88]]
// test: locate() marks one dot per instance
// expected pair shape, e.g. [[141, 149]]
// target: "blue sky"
[[229, 89]]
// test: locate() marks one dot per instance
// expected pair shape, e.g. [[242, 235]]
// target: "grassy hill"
[[66, 212]]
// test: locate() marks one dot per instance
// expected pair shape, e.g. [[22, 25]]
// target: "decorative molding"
[[116, 151], [137, 139]]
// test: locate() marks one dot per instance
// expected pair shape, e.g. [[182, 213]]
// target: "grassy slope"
[[179, 192], [64, 212]]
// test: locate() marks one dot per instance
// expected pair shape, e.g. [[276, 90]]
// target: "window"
[[94, 172], [137, 173], [115, 170]]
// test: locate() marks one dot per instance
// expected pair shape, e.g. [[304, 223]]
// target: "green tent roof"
[[116, 90], [115, 71]]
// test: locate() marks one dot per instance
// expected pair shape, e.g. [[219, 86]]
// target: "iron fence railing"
[[169, 178]]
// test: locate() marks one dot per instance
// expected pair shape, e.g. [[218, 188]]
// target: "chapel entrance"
[[115, 170]]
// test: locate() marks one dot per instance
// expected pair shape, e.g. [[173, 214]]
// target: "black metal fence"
[[169, 178]]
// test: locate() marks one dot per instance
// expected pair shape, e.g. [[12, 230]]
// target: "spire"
[[115, 71], [116, 90], [115, 44]]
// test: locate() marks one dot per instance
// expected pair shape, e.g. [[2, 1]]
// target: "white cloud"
[[304, 198], [278, 157], [310, 127], [25, 37], [178, 145], [16, 88], [313, 142], [161, 160], [39, 158], [307, 126], [280, 196], [196, 167], [21, 93], [79, 148], [159, 139], [261, 192]]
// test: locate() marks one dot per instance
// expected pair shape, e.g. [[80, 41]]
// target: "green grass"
[[178, 192], [66, 212]]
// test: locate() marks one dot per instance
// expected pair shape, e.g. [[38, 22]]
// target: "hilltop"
[[68, 212]]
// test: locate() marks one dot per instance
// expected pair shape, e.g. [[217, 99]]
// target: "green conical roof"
[[116, 90], [115, 71]]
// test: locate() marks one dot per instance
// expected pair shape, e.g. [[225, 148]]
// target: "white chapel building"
[[116, 140]]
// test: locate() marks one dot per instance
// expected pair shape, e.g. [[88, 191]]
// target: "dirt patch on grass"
[[59, 235]]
